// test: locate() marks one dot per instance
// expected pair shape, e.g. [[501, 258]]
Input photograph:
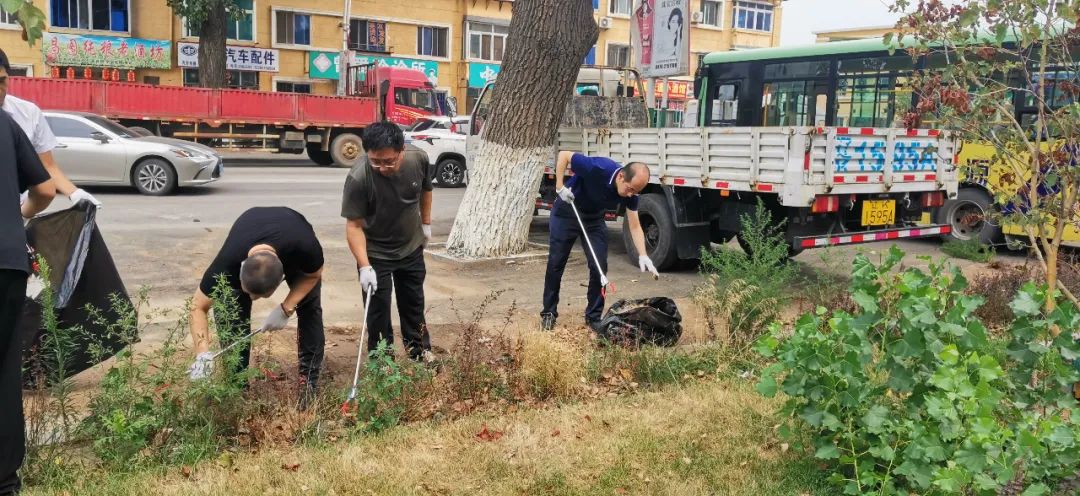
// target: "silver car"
[[94, 150]]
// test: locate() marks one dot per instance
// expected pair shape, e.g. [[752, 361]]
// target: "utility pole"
[[345, 58]]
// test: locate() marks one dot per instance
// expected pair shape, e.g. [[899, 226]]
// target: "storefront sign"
[[324, 65], [660, 31], [482, 74], [237, 58], [679, 89], [106, 51]]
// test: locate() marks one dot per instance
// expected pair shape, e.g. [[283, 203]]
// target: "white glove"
[[646, 265], [277, 320], [203, 366], [427, 231], [23, 197], [81, 195], [368, 281], [566, 195]]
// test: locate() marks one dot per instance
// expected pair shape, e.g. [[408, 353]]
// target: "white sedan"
[[96, 151], [443, 139]]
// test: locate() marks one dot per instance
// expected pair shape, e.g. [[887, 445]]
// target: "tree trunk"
[[212, 46], [547, 42]]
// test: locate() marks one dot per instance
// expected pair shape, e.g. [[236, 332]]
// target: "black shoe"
[[593, 324], [547, 321]]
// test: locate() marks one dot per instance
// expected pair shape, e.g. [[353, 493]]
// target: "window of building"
[[292, 28], [21, 70], [8, 19], [242, 29], [618, 55], [620, 7], [367, 36], [432, 41], [292, 87], [486, 42], [712, 12], [755, 16], [590, 58], [99, 15], [242, 80]]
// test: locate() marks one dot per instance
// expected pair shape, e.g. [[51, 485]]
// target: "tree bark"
[[547, 42], [212, 68]]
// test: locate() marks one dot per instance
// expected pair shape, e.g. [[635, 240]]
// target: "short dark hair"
[[382, 135], [261, 273], [630, 170], [4, 61]]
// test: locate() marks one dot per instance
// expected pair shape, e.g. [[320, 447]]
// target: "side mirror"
[[100, 136]]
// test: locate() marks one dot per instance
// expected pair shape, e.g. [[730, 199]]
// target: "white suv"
[[443, 139]]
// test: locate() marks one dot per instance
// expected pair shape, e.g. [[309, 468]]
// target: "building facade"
[[294, 45], [861, 33]]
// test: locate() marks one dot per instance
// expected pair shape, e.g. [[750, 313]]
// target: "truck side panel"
[[347, 112], [258, 106], [58, 94], [139, 101]]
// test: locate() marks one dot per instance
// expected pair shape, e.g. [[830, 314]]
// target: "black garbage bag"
[[654, 321], [85, 279]]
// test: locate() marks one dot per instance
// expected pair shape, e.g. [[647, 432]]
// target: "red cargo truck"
[[327, 127]]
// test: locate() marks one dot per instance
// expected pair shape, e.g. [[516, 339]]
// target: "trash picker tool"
[[604, 283], [348, 406]]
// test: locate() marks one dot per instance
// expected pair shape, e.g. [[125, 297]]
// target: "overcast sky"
[[803, 17]]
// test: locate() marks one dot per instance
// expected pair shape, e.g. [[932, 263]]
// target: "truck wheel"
[[659, 231], [968, 216], [450, 173], [154, 177], [141, 131], [346, 150], [317, 155]]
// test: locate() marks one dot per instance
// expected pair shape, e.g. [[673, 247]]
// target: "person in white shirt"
[[32, 121]]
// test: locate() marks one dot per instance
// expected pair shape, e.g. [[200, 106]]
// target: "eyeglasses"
[[383, 163]]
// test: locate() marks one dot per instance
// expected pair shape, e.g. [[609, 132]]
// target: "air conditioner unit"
[[697, 17], [604, 23]]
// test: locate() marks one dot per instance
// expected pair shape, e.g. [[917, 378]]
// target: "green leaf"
[[1000, 32], [827, 452], [875, 418], [11, 6], [1039, 489], [950, 355], [767, 386], [971, 459], [887, 39], [969, 16], [865, 301], [951, 480], [1027, 302]]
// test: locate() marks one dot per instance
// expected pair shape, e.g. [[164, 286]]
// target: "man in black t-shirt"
[[266, 245], [387, 207], [20, 169]]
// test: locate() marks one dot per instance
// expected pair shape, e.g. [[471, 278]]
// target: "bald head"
[[632, 179]]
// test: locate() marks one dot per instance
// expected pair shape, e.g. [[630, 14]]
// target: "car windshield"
[[112, 127]]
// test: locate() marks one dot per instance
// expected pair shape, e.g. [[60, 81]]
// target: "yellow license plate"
[[878, 212]]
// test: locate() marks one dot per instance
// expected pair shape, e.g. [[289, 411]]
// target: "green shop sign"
[[482, 74], [325, 65], [106, 51]]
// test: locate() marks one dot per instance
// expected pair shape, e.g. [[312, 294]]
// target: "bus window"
[[873, 92], [725, 105], [793, 103]]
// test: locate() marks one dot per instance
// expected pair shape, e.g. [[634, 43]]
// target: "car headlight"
[[179, 152]]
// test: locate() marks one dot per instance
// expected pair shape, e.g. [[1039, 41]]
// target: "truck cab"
[[404, 95]]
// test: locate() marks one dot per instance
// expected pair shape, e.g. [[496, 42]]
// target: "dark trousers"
[[310, 339], [564, 232], [12, 433], [405, 278]]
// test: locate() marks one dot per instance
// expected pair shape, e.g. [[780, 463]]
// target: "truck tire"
[[659, 230], [451, 173], [967, 215], [346, 150], [154, 177], [317, 155]]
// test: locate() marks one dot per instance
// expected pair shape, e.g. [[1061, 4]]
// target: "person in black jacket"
[[20, 170]]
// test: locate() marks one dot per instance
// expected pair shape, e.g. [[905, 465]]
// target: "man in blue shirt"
[[599, 184]]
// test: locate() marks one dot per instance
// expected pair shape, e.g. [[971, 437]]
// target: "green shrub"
[[383, 392], [909, 394], [745, 290], [971, 249]]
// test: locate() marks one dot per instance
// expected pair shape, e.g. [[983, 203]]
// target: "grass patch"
[[711, 437], [971, 249]]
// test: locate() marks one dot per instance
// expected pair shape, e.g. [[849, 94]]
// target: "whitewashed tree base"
[[500, 199]]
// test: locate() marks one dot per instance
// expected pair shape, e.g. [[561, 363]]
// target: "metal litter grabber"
[[349, 406], [604, 283], [234, 343]]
